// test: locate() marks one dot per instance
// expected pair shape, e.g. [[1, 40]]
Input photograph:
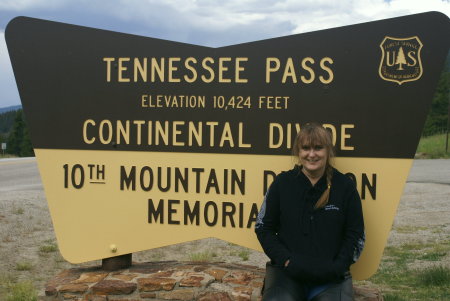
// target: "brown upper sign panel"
[[379, 76]]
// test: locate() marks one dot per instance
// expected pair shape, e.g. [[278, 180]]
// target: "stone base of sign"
[[168, 280]]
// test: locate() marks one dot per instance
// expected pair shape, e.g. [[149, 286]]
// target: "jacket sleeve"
[[354, 237], [268, 224]]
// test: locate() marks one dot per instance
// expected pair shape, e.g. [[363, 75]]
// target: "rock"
[[200, 268], [90, 277], [181, 294], [124, 277], [242, 293], [239, 277], [163, 274], [71, 297], [73, 288], [214, 296], [114, 287], [257, 283], [147, 295], [216, 273], [156, 284], [65, 277], [50, 290], [95, 298], [192, 281], [179, 274]]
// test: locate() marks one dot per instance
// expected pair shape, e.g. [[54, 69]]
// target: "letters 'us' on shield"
[[143, 143]]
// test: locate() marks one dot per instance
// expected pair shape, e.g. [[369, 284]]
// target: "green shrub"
[[23, 266], [393, 297], [48, 248], [22, 291], [244, 254], [201, 256], [18, 211]]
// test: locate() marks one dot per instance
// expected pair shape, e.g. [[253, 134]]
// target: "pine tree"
[[2, 140], [6, 122], [437, 117], [19, 142], [26, 149], [15, 137], [400, 59]]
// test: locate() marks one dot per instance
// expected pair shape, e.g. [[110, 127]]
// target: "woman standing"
[[311, 225]]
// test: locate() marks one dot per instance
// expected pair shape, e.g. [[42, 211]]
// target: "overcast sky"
[[203, 22]]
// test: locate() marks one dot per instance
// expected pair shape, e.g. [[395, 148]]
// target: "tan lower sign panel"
[[111, 207]]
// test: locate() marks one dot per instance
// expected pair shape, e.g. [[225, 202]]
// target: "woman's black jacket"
[[320, 244]]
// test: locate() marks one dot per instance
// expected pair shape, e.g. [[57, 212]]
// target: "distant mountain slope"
[[11, 108]]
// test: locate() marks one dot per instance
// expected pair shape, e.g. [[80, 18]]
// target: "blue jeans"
[[278, 286]]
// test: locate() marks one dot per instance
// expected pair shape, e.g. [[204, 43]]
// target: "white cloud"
[[421, 6], [180, 18], [218, 15], [348, 12], [19, 5]]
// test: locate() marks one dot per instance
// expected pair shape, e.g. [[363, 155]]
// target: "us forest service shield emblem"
[[400, 59]]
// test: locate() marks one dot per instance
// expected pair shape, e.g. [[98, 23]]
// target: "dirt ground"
[[28, 247]]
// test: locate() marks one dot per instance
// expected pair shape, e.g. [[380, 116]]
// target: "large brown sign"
[[143, 143]]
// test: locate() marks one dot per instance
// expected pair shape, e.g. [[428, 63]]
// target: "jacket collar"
[[321, 184]]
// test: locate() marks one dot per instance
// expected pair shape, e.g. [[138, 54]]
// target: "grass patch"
[[401, 281], [244, 254], [432, 256], [18, 211], [402, 255], [48, 248], [24, 266], [22, 291], [435, 252], [433, 147], [201, 256], [434, 276], [437, 230], [409, 229], [6, 280], [393, 297]]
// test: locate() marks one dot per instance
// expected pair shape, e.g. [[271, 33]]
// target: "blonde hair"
[[314, 134]]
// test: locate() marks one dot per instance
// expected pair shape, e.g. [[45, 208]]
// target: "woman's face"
[[313, 158]]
